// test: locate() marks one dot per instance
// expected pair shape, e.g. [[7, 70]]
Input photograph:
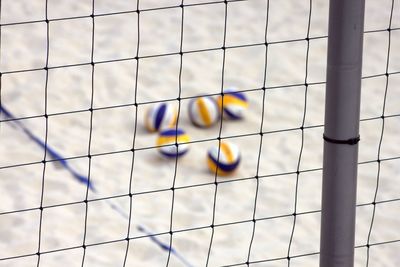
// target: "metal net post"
[[341, 133]]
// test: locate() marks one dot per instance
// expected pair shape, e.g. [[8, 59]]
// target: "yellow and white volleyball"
[[172, 142], [203, 111], [159, 116], [228, 160], [233, 104]]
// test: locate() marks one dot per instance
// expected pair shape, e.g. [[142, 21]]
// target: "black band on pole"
[[351, 141]]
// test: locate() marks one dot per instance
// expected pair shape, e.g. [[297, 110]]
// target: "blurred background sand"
[[23, 47]]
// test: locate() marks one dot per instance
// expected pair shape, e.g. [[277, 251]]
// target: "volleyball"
[[159, 116], [228, 160], [172, 142], [203, 111], [233, 104]]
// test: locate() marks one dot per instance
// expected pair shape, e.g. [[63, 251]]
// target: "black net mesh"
[[82, 182]]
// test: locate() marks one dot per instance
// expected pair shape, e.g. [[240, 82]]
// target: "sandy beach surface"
[[66, 94]]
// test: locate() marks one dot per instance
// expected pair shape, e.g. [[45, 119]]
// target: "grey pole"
[[341, 132]]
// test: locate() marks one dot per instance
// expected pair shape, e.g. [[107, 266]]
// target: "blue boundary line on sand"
[[83, 179]]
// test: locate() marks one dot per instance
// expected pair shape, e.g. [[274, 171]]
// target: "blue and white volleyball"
[[233, 104], [203, 111], [172, 142], [228, 160], [160, 116]]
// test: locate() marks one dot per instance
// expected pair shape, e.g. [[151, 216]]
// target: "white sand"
[[69, 89]]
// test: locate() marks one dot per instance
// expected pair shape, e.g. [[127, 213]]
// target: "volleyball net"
[[83, 182]]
